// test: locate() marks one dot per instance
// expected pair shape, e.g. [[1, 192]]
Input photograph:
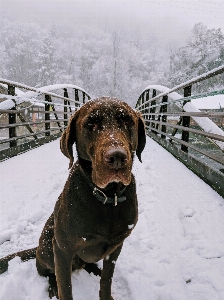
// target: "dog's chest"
[[109, 223], [101, 239], [106, 223]]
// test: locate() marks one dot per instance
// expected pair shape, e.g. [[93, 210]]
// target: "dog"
[[97, 210]]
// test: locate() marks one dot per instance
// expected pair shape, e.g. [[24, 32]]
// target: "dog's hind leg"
[[78, 263], [43, 271], [53, 288], [92, 268]]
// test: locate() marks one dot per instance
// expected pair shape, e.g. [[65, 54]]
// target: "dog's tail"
[[24, 255]]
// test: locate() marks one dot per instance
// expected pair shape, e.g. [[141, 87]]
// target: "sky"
[[166, 20]]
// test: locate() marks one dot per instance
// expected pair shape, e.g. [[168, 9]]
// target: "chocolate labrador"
[[97, 209]]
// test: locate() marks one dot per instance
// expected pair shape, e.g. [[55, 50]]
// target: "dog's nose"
[[116, 158]]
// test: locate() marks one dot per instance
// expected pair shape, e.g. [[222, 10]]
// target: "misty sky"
[[168, 20]]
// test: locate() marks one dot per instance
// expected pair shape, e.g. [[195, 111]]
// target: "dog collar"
[[102, 197]]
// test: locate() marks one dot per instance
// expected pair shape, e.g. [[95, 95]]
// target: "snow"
[[205, 123], [175, 252], [18, 92], [164, 90], [22, 96], [191, 81], [49, 88], [7, 104], [211, 102]]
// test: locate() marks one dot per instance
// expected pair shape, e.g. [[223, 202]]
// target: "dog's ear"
[[68, 138], [141, 137]]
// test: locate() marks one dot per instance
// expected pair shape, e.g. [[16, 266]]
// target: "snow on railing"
[[187, 132], [188, 83], [204, 123], [33, 117]]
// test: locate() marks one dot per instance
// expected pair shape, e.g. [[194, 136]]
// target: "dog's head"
[[107, 132]]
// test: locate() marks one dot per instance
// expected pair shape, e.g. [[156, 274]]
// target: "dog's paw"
[[107, 298], [53, 289], [53, 293]]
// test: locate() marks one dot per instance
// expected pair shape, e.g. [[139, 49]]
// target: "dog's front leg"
[[107, 274], [63, 270]]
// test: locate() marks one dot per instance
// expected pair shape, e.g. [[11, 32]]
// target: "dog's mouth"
[[111, 162], [103, 179]]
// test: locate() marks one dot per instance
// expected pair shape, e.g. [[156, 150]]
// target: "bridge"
[[176, 250]]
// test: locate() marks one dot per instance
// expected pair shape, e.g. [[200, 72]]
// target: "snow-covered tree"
[[202, 52]]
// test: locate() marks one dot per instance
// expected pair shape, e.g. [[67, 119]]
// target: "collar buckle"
[[115, 199], [102, 197], [98, 191]]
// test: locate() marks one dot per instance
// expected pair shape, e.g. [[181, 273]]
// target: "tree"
[[201, 53]]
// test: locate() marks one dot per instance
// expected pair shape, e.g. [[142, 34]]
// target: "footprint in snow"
[[121, 287]]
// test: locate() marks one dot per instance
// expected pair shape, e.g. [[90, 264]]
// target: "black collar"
[[114, 198], [101, 196]]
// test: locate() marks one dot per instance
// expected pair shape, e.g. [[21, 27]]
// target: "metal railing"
[[195, 137], [37, 116]]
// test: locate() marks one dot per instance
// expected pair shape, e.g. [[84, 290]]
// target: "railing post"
[[186, 120], [164, 118], [65, 107], [47, 115], [143, 101], [146, 106], [12, 119], [83, 97], [138, 102], [76, 98], [153, 109]]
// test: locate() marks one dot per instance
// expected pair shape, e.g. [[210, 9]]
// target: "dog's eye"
[[128, 121], [91, 126]]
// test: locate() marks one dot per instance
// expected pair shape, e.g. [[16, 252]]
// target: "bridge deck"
[[176, 251]]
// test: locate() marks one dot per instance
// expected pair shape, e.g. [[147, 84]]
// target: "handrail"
[[27, 121], [197, 79], [188, 133], [42, 90]]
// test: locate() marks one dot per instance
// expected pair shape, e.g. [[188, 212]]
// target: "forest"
[[108, 62]]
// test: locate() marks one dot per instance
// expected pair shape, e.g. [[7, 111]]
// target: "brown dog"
[[97, 209]]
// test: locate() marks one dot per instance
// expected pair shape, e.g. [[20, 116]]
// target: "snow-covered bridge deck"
[[176, 251]]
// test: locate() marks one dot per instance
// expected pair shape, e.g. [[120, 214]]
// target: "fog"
[[110, 47], [166, 21]]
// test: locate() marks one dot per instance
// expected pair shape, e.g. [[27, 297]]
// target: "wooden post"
[[186, 120], [65, 107], [47, 115], [12, 119]]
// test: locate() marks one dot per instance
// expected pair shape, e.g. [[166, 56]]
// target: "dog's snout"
[[116, 158]]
